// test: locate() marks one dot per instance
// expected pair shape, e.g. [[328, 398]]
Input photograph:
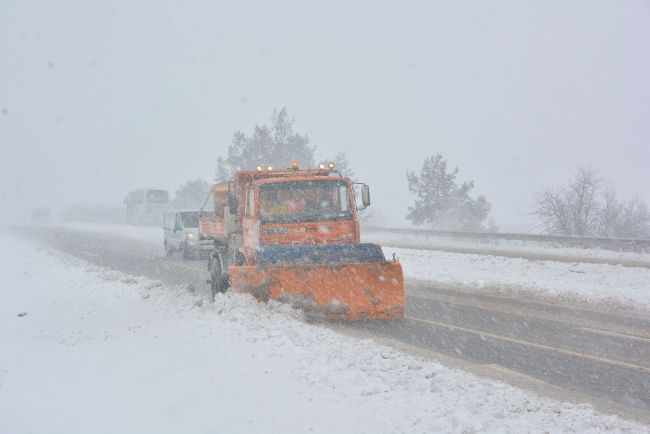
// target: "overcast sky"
[[100, 98]]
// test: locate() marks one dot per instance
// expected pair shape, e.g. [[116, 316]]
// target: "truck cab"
[[298, 209]]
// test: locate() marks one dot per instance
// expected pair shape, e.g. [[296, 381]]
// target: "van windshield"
[[190, 219], [305, 201]]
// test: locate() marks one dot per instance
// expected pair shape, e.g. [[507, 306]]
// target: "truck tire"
[[219, 281], [240, 259], [185, 254]]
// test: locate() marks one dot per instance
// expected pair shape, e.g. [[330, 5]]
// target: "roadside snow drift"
[[612, 286], [472, 246], [87, 349]]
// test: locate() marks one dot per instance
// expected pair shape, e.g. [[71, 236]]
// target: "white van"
[[182, 234]]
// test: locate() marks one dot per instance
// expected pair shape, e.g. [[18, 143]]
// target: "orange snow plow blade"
[[372, 288]]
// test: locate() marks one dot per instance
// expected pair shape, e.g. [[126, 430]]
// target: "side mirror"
[[232, 203], [177, 227], [365, 195]]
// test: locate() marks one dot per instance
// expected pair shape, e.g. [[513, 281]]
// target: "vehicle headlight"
[[190, 236]]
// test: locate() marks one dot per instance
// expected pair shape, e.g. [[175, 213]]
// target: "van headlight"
[[190, 236]]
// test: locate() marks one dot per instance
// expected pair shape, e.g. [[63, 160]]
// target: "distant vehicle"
[[182, 233], [146, 206], [41, 216]]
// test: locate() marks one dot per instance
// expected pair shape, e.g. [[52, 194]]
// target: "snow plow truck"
[[293, 235]]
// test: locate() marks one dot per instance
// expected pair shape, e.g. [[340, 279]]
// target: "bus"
[[146, 206]]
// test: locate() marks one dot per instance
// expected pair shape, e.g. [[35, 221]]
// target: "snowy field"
[[611, 286], [99, 351]]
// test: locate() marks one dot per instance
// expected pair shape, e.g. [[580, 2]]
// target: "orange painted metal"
[[335, 232], [212, 227], [352, 291]]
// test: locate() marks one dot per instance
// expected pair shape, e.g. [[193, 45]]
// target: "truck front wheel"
[[185, 253], [219, 281]]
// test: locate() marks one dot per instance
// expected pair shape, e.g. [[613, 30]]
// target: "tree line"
[[586, 205]]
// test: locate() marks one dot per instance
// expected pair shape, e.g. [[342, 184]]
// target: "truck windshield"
[[305, 201]]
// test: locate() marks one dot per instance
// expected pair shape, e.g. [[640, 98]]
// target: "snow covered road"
[[101, 351], [609, 286]]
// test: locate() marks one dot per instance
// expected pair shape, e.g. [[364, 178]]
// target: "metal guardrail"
[[561, 240]]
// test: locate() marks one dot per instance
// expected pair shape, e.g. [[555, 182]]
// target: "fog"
[[103, 98]]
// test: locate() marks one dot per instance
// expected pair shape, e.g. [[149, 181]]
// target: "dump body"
[[294, 236]]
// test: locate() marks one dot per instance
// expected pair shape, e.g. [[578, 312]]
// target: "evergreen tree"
[[275, 146], [341, 165], [444, 205], [192, 194]]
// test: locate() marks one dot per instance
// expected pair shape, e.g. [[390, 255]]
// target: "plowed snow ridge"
[[611, 286]]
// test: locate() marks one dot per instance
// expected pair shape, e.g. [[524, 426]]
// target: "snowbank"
[[100, 351], [612, 286], [516, 247]]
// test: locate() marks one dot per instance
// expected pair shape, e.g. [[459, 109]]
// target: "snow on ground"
[[531, 248], [148, 234], [611, 286], [100, 351], [155, 235]]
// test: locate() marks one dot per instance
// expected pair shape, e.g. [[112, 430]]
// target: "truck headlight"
[[190, 236]]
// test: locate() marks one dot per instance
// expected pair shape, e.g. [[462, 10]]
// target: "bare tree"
[[585, 207], [573, 209], [635, 220]]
